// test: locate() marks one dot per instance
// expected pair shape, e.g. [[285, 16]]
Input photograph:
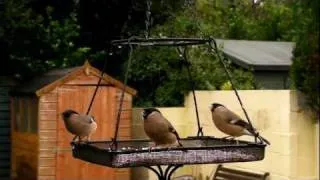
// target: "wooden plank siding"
[[24, 149], [24, 156], [47, 136], [78, 98], [5, 146], [123, 174], [42, 151]]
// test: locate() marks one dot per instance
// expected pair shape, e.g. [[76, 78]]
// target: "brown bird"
[[78, 124], [230, 123], [159, 129]]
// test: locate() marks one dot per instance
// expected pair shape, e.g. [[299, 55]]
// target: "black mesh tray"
[[134, 153]]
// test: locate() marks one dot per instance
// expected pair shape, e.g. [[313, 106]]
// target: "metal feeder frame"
[[196, 149]]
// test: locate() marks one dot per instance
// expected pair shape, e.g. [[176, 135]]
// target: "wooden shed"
[[40, 143], [6, 83]]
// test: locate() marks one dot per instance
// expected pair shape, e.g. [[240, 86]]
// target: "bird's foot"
[[78, 140], [151, 148], [74, 139], [172, 147], [237, 142], [228, 137], [87, 140], [82, 141]]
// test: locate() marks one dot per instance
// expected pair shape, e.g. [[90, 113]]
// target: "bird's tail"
[[262, 139], [256, 134]]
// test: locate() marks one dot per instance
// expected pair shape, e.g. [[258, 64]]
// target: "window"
[[33, 115], [16, 114], [25, 114]]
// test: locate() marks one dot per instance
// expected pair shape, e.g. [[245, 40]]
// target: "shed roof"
[[7, 81], [54, 78], [259, 55]]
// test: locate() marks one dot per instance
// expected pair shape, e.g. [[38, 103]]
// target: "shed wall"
[[4, 133], [47, 136], [78, 99], [272, 79], [24, 147], [43, 151], [104, 109]]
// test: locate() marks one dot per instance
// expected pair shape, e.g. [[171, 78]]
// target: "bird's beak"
[[210, 106], [142, 115]]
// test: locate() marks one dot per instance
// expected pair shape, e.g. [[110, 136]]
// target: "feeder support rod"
[[99, 81], [182, 54], [122, 94]]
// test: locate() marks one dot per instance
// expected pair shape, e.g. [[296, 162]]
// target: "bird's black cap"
[[67, 113], [148, 111], [214, 106]]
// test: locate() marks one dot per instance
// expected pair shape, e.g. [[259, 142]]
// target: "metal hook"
[[148, 20]]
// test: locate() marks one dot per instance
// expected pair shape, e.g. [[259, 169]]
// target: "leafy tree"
[[161, 74], [104, 20], [37, 43], [164, 80], [270, 21], [306, 61], [36, 40]]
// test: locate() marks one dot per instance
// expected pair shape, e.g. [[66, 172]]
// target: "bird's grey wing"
[[242, 123], [251, 129], [87, 119], [229, 115]]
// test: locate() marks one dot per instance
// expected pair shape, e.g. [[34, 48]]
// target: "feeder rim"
[[245, 144]]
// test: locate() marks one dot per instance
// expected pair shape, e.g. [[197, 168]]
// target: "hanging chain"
[[183, 56], [100, 79], [215, 50], [148, 20], [114, 140]]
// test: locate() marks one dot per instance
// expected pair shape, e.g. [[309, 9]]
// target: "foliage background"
[[37, 36]]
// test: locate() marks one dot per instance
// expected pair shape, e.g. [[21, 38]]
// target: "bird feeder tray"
[[195, 150], [160, 41]]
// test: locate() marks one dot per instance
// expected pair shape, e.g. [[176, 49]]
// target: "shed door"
[[78, 98]]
